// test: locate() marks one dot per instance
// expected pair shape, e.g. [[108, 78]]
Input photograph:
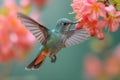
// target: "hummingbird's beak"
[[75, 22]]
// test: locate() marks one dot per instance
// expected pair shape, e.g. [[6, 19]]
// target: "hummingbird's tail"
[[36, 63]]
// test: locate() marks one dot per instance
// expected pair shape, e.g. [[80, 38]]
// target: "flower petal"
[[110, 9], [114, 25]]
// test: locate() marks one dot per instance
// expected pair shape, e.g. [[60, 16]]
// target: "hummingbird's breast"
[[55, 42]]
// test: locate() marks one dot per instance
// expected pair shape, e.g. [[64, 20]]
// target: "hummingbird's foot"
[[53, 58]]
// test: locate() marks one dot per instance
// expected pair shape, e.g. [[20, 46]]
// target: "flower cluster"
[[15, 40], [104, 60], [107, 69], [95, 15]]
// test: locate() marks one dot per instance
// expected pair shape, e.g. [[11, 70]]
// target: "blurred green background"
[[70, 61]]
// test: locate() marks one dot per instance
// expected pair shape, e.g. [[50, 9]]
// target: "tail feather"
[[33, 66], [37, 62]]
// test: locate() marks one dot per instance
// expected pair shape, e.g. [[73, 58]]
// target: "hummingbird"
[[52, 40]]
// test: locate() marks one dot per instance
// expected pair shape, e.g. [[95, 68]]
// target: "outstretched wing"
[[38, 30], [76, 37]]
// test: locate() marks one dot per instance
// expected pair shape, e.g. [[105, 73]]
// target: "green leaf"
[[116, 3], [100, 0], [118, 6]]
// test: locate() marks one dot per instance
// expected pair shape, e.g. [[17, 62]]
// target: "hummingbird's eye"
[[65, 24]]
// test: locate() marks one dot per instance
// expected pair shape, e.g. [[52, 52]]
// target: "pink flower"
[[88, 13], [90, 8], [113, 18], [92, 66], [78, 7], [101, 24], [15, 40], [94, 16], [95, 9], [112, 66]]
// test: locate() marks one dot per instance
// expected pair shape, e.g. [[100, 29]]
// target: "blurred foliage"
[[116, 3], [98, 46]]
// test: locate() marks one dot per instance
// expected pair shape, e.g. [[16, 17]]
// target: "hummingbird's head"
[[64, 24]]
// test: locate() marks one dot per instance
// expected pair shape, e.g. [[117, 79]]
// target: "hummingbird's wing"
[[76, 36], [38, 30]]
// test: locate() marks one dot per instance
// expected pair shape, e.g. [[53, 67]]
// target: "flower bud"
[[100, 35]]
